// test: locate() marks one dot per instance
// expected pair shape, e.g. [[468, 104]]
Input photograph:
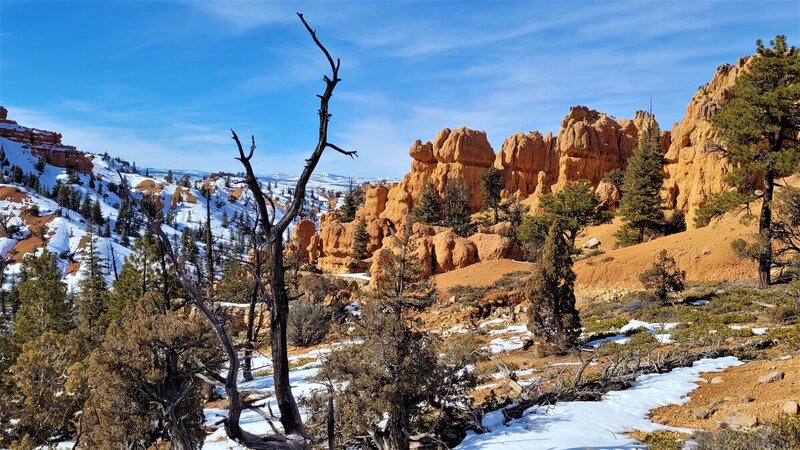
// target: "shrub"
[[663, 277], [308, 323], [788, 335], [783, 434]]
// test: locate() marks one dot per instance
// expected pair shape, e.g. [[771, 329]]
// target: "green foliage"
[[308, 323], [145, 389], [93, 301], [44, 305], [349, 206], [552, 317], [360, 241], [455, 207], [428, 207], [491, 181], [718, 204], [640, 207], [764, 107], [663, 277], [615, 177], [783, 434], [574, 207], [43, 396]]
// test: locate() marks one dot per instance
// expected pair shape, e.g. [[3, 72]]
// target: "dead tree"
[[273, 237], [294, 436]]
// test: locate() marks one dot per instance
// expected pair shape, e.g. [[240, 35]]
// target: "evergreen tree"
[[360, 241], [663, 277], [349, 206], [140, 274], [455, 207], [491, 186], [428, 207], [170, 177], [640, 207], [397, 384], [93, 301], [96, 213], [146, 392], [552, 317], [574, 207], [44, 305], [43, 391], [759, 123]]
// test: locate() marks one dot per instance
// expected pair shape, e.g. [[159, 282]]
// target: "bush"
[[308, 323], [783, 434], [663, 277], [789, 336]]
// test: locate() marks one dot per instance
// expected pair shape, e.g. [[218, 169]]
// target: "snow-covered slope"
[[37, 163]]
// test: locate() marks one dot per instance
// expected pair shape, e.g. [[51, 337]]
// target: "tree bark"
[[765, 230]]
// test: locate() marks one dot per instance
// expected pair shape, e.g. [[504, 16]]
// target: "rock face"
[[692, 172], [459, 154], [588, 145], [45, 144]]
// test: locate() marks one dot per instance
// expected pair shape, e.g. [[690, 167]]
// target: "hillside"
[[37, 165]]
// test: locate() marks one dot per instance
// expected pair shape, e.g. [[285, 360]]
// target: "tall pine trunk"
[[765, 230]]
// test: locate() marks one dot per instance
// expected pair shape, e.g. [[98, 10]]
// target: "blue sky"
[[162, 82]]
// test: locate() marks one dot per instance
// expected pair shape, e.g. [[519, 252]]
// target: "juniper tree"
[[491, 181], [455, 207], [640, 207], [552, 317], [428, 207], [759, 124], [146, 402], [44, 390]]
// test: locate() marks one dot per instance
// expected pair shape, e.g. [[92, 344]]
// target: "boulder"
[[492, 246], [741, 420], [592, 243], [789, 407], [770, 377]]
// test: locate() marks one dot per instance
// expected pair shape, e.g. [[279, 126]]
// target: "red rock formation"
[[454, 154], [692, 172], [44, 144]]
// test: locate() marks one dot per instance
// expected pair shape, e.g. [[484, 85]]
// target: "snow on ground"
[[601, 424], [302, 386], [622, 337], [357, 276], [499, 345]]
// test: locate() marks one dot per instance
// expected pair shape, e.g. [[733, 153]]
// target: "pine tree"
[[96, 213], [428, 207], [93, 301], [640, 207], [552, 317], [360, 241], [170, 177], [759, 124], [455, 207], [349, 206], [44, 305], [491, 186]]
